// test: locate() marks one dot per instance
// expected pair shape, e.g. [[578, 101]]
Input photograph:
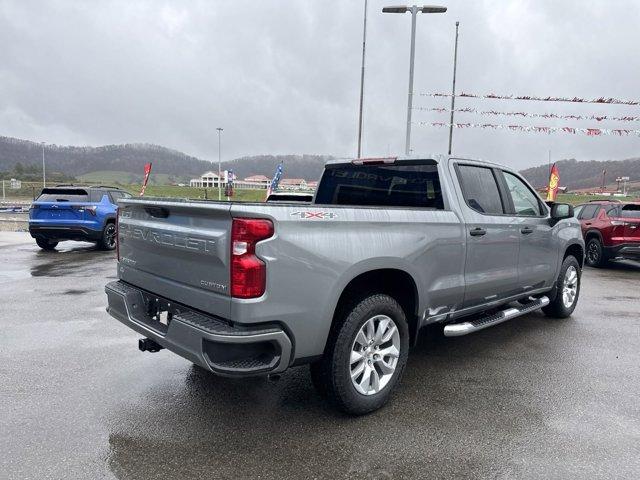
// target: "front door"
[[537, 258], [491, 263]]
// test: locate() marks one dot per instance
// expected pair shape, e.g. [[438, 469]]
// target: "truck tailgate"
[[178, 249]]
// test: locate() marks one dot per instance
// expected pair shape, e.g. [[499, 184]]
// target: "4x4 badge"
[[307, 215]]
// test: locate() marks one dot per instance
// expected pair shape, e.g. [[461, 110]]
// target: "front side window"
[[480, 189], [525, 202]]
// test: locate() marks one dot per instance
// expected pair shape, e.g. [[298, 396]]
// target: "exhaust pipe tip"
[[148, 345]]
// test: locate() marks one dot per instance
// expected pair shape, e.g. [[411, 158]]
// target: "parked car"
[[344, 284], [611, 230], [68, 212], [304, 197]]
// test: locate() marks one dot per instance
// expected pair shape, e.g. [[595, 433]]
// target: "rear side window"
[[480, 189], [402, 185], [588, 212], [96, 195], [630, 211], [63, 195]]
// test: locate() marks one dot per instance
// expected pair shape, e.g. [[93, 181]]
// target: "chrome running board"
[[464, 328]]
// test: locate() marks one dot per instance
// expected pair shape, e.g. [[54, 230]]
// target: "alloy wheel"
[[374, 355], [570, 286]]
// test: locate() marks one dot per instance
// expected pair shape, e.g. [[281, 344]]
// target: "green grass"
[[109, 177], [579, 199], [197, 193]]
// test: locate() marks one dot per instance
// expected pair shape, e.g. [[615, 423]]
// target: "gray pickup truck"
[[346, 282]]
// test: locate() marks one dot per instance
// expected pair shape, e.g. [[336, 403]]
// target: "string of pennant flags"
[[491, 96], [598, 118], [591, 132]]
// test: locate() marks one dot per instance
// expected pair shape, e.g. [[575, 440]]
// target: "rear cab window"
[[63, 195], [405, 184]]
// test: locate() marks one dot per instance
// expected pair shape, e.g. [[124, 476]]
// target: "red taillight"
[[248, 272], [117, 239]]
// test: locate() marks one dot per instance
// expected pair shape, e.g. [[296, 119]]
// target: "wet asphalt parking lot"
[[531, 398]]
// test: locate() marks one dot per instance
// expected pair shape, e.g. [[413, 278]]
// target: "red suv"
[[611, 230]]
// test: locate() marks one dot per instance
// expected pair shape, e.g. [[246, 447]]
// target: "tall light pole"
[[453, 89], [364, 46], [219, 129], [414, 12], [44, 176]]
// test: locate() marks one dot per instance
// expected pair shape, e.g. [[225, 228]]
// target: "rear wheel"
[[365, 356], [45, 244], [108, 239], [568, 290], [594, 256]]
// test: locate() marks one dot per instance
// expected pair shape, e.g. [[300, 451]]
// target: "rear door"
[[537, 259], [491, 264], [177, 249], [631, 215]]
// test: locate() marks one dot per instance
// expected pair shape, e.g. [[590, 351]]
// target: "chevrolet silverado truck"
[[387, 247]]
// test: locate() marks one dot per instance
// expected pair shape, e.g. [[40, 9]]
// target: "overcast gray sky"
[[282, 76]]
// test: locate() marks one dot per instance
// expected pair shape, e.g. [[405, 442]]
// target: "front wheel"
[[108, 239], [47, 245], [568, 290], [365, 355]]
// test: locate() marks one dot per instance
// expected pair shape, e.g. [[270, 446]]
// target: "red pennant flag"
[[147, 172]]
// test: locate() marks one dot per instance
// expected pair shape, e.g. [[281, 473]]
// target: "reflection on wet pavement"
[[532, 398]]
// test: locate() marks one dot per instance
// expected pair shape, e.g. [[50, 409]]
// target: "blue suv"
[[68, 212]]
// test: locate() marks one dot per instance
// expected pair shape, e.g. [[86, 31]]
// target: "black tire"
[[47, 245], [557, 308], [108, 239], [332, 375], [594, 256]]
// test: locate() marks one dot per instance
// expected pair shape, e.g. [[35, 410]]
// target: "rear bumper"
[[625, 250], [64, 232], [205, 340]]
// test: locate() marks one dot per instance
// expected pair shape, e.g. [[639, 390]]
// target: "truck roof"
[[436, 157]]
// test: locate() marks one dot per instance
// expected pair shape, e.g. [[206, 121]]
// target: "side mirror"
[[560, 211]]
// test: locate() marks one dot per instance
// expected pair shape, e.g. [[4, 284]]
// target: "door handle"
[[587, 223], [526, 230], [477, 232]]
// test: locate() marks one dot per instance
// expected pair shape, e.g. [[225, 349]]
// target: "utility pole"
[[453, 89], [44, 177], [414, 11], [364, 46], [219, 129]]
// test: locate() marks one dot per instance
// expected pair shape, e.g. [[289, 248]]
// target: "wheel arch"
[[577, 251], [395, 282], [593, 233]]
